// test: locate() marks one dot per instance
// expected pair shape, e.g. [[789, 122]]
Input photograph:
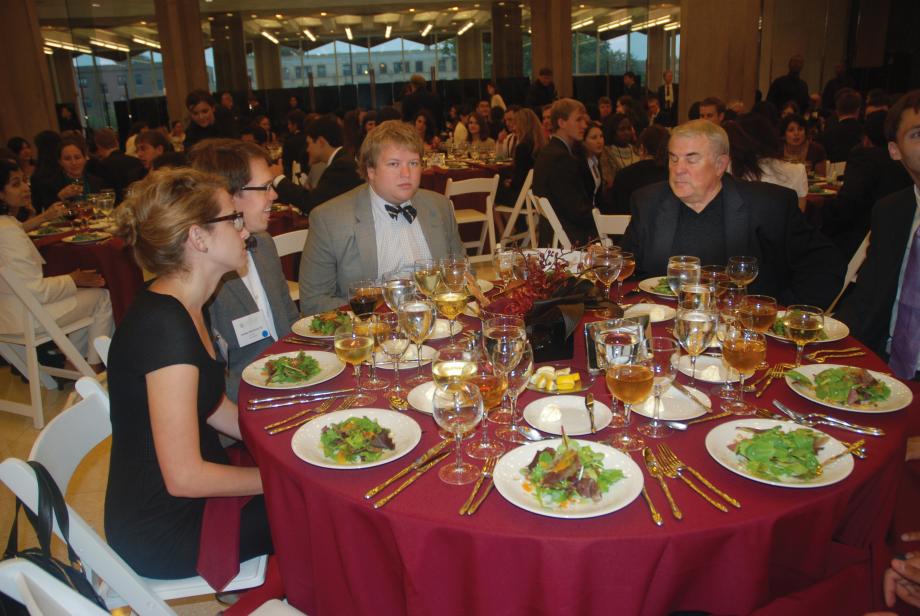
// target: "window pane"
[[613, 56], [638, 54]]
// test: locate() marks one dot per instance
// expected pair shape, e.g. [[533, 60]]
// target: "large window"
[[103, 81]]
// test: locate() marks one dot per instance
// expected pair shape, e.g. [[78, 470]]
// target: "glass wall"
[[102, 81]]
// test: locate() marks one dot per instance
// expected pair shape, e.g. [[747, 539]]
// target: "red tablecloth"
[[786, 551], [110, 258]]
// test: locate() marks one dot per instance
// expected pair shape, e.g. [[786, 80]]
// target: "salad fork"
[[318, 409], [670, 470], [775, 372], [487, 470], [347, 402], [670, 458]]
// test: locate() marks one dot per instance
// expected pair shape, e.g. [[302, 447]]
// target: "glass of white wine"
[[369, 324], [396, 289], [803, 324], [742, 269], [354, 347], [453, 362], [663, 360], [606, 265], [457, 407], [683, 269], [394, 342], [516, 379], [743, 350], [694, 329], [427, 275], [450, 301], [417, 318], [509, 333]]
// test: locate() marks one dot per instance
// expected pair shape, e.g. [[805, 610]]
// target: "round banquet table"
[[786, 551]]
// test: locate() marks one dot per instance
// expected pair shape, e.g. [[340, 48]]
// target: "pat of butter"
[[551, 413], [657, 313], [711, 373]]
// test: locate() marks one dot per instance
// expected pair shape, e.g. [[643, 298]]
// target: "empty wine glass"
[[396, 289], [453, 272], [457, 408], [629, 266], [742, 269], [606, 264], [417, 318], [712, 275], [682, 269], [427, 275], [516, 378], [663, 360], [696, 296], [394, 342], [694, 329]]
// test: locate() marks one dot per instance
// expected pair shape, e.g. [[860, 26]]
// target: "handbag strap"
[[49, 492], [41, 522]]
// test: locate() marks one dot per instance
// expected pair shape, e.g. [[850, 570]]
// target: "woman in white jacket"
[[67, 298]]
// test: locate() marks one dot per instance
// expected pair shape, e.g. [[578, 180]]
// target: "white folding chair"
[[487, 186], [543, 206], [522, 203], [61, 447], [291, 243], [609, 224], [856, 262], [41, 593], [21, 350], [102, 344]]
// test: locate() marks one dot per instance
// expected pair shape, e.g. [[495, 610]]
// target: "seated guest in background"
[[594, 166], [483, 107], [265, 124], [712, 109], [507, 139], [252, 307], [632, 109], [67, 298], [420, 98], [495, 97], [542, 92], [340, 173], [530, 140], [883, 309], [789, 109], [425, 127], [166, 381], [376, 230], [841, 137], [755, 156], [368, 122], [136, 129], [876, 100], [201, 109], [71, 181], [294, 147], [799, 148], [655, 114], [546, 119], [228, 116], [704, 212], [652, 167], [604, 108], [170, 160], [177, 136], [557, 172], [117, 169], [253, 134], [479, 138], [151, 145], [23, 151], [631, 87], [870, 175], [620, 136], [460, 133]]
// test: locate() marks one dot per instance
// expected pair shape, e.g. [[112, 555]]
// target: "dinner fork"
[[776, 372], [347, 402], [670, 458], [318, 409], [487, 470]]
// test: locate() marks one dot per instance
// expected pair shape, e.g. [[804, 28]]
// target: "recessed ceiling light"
[[143, 23], [323, 14], [388, 32], [210, 19], [348, 33], [96, 5], [411, 10], [229, 14], [455, 8], [279, 16]]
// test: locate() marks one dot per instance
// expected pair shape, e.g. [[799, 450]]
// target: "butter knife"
[[684, 390], [475, 506], [589, 404], [303, 395], [408, 482], [419, 461], [651, 463]]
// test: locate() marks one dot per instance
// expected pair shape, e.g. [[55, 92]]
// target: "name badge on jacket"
[[250, 328]]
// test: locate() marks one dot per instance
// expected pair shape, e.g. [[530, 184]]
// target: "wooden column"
[[469, 54], [229, 53], [179, 26], [507, 41], [551, 41], [716, 60], [268, 63], [28, 106], [65, 76]]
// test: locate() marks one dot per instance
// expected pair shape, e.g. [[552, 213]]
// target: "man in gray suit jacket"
[[377, 229], [251, 309]]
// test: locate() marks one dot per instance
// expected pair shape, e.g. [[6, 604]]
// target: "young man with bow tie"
[[377, 229]]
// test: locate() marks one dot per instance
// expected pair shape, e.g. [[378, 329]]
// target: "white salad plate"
[[554, 413], [900, 397], [442, 329], [301, 327], [834, 330], [421, 398], [408, 359], [648, 285], [330, 367]]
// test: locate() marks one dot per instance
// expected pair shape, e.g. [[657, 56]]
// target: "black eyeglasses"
[[263, 188], [235, 217]]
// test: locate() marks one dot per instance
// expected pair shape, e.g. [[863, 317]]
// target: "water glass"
[[742, 269], [516, 379], [663, 360], [683, 270], [457, 408], [394, 342]]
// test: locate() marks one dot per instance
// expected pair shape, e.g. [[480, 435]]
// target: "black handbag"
[[51, 506]]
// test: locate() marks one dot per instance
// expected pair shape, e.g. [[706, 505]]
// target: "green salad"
[[846, 386], [779, 328], [326, 323], [662, 287], [775, 455], [355, 440], [88, 237], [285, 370], [568, 475]]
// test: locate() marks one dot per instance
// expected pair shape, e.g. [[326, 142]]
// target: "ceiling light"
[[388, 32], [582, 23], [411, 10], [309, 35], [96, 5], [468, 25], [615, 24], [651, 23], [279, 16], [426, 30], [323, 14], [108, 45], [147, 42], [67, 46], [348, 33], [269, 37], [48, 51], [455, 8], [143, 23], [674, 25]]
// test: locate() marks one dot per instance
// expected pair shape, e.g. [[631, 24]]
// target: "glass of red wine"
[[364, 296]]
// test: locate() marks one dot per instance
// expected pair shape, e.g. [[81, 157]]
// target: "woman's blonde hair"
[[530, 127], [392, 132], [156, 217]]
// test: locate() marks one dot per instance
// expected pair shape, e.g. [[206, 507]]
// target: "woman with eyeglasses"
[[258, 291], [67, 298], [166, 380]]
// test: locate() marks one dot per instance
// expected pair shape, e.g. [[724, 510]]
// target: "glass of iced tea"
[[492, 386], [743, 350], [630, 384]]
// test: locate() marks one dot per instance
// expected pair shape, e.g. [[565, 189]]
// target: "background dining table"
[[785, 551]]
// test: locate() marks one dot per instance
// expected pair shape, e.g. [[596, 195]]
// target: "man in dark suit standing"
[[847, 133], [294, 148], [421, 98], [116, 168], [631, 87], [542, 92], [667, 96], [703, 211], [324, 145], [790, 87], [883, 309], [557, 172]]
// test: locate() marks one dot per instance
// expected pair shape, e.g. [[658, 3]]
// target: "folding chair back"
[[609, 224], [856, 262], [291, 243], [41, 593], [488, 187], [521, 206], [543, 206]]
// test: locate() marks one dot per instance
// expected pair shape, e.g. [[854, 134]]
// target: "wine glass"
[[606, 264], [492, 386], [396, 289], [803, 324], [682, 270], [730, 291], [712, 275], [663, 360], [457, 408], [728, 318], [509, 265], [696, 296], [453, 272], [694, 330], [617, 344], [369, 324], [364, 296], [450, 302], [495, 332], [586, 264], [743, 350], [629, 266], [354, 347], [417, 318], [393, 341], [758, 312], [742, 269], [427, 275], [631, 384], [516, 378]]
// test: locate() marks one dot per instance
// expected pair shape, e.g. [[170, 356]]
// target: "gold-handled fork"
[[776, 372], [669, 457], [487, 470], [344, 404], [317, 409], [823, 358], [669, 468], [814, 355]]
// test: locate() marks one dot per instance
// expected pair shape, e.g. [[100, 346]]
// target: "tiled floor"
[[86, 493]]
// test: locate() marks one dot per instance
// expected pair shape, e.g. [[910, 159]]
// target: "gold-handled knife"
[[589, 404], [408, 482], [684, 390], [656, 517], [419, 461], [708, 418], [654, 469], [475, 506]]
